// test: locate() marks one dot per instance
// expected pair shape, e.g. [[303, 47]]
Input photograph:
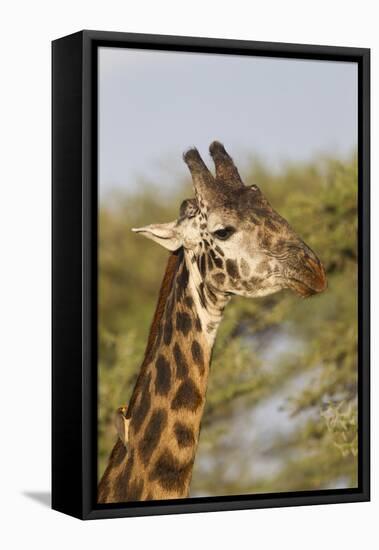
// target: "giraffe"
[[227, 241]]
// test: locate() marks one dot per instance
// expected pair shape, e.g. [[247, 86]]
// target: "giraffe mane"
[[166, 285]]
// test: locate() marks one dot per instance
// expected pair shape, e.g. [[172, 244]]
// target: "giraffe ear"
[[166, 234]]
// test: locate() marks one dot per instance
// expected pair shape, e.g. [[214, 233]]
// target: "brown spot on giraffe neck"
[[183, 322], [118, 454], [181, 363], [152, 434], [187, 396], [140, 411], [168, 330], [198, 356], [182, 280], [184, 435], [163, 375], [171, 474]]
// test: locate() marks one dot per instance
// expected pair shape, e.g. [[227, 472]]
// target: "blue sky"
[[155, 105]]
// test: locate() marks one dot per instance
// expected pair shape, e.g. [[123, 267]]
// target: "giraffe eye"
[[224, 233]]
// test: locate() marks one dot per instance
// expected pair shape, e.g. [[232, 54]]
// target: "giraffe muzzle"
[[310, 278]]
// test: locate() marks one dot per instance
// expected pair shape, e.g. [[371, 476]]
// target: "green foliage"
[[281, 410]]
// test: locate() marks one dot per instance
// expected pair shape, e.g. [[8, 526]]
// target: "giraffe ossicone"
[[226, 241]]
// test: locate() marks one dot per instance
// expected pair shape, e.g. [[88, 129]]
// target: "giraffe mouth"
[[313, 281], [301, 288]]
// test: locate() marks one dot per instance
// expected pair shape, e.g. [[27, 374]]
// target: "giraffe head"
[[238, 242]]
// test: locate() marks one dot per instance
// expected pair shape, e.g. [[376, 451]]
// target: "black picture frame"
[[74, 273]]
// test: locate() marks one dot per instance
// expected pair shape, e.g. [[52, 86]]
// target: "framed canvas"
[[210, 270]]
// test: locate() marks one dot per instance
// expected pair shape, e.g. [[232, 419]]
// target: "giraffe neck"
[[168, 400]]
